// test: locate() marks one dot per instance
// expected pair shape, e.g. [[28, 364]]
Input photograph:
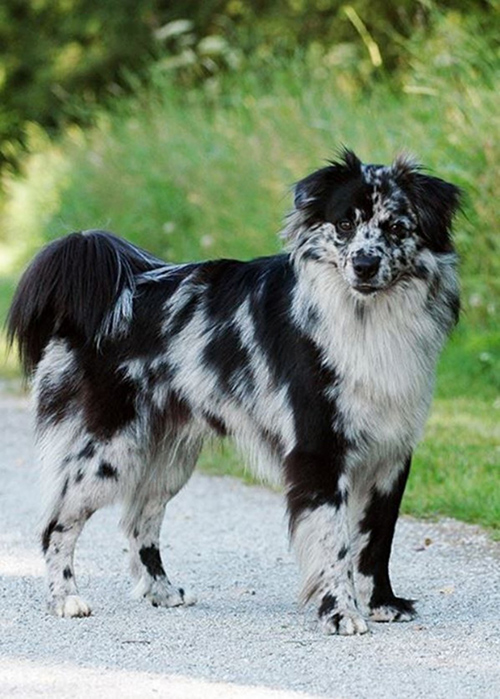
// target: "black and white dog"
[[319, 361]]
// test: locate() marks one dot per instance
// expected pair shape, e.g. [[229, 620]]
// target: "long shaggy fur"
[[319, 362]]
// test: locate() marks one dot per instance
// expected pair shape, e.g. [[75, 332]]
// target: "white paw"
[[387, 614], [175, 598], [344, 623], [162, 594], [71, 606]]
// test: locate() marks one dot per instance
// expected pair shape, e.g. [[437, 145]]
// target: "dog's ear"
[[436, 203], [311, 189], [310, 192]]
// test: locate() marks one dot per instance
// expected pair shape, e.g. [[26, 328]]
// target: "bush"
[[58, 59]]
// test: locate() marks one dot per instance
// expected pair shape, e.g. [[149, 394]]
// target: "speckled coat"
[[319, 362]]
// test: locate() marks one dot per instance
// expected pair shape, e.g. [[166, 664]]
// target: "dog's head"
[[372, 222]]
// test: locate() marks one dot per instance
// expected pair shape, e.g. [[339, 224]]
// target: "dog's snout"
[[366, 266]]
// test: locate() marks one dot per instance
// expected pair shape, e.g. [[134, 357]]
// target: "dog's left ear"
[[435, 201]]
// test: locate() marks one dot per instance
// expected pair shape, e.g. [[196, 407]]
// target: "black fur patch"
[[216, 424], [65, 488], [71, 267], [343, 553], [52, 527], [226, 355], [328, 605], [106, 470], [183, 316], [151, 560], [56, 400], [87, 452], [379, 523], [108, 395]]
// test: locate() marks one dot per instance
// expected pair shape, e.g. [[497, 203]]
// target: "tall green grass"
[[198, 173], [207, 173]]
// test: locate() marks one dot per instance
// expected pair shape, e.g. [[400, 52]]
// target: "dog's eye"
[[397, 228], [345, 226]]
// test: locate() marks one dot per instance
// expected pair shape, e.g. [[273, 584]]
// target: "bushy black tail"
[[75, 284]]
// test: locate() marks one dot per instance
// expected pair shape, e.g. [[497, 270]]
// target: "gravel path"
[[246, 638]]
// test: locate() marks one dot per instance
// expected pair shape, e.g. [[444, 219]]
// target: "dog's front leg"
[[317, 503], [373, 520]]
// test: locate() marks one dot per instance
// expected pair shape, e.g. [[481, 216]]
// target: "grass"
[[191, 174], [456, 467], [206, 173]]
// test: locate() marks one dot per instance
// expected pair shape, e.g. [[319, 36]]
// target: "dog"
[[318, 361]]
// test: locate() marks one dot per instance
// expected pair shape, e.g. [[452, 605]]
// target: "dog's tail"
[[82, 285]]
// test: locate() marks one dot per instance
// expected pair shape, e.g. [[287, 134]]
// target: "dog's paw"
[[344, 623], [69, 607], [174, 597], [162, 594], [397, 609]]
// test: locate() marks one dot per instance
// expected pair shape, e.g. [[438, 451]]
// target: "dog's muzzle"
[[365, 268]]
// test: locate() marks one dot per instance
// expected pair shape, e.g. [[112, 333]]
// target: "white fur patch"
[[384, 354], [319, 536], [72, 606], [161, 593]]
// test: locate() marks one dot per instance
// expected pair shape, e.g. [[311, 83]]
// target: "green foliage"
[[204, 172], [9, 366], [58, 58]]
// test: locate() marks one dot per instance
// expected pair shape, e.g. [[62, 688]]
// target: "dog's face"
[[372, 222]]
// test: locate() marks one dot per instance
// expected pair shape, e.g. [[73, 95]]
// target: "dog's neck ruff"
[[384, 327]]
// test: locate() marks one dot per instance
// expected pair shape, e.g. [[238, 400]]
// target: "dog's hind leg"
[[79, 480], [79, 483], [142, 521], [58, 542]]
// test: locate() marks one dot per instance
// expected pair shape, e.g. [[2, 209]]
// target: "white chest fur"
[[382, 349]]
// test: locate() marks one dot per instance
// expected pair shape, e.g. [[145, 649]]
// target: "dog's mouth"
[[366, 289]]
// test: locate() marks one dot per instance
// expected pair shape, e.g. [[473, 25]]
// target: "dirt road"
[[246, 637]]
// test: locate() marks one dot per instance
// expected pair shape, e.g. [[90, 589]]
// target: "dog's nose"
[[365, 266]]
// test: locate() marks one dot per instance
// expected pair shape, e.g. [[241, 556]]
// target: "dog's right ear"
[[318, 191], [310, 192], [310, 189]]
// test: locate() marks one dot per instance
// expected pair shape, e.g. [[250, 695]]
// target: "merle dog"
[[319, 362]]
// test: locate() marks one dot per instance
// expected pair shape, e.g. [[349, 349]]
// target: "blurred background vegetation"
[[181, 125]]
